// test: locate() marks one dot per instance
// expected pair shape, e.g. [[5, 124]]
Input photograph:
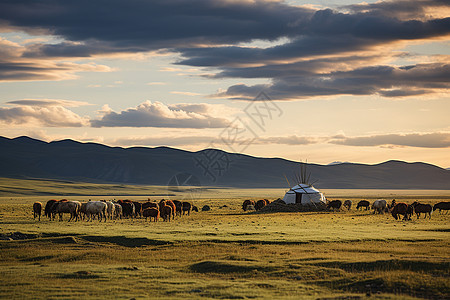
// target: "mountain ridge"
[[93, 162]]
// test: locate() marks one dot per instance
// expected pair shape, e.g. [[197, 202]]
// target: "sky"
[[317, 81]]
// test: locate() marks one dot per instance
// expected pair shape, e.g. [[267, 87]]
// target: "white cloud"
[[49, 116], [158, 114], [185, 93]]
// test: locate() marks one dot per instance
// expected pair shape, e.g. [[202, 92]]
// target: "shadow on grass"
[[79, 275], [125, 241], [390, 265], [224, 267]]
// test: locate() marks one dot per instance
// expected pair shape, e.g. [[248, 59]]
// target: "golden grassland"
[[223, 253]]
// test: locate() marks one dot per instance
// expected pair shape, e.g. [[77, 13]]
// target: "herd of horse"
[[104, 210], [169, 209], [379, 206]]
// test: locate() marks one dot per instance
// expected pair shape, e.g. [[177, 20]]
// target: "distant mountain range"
[[24, 157]]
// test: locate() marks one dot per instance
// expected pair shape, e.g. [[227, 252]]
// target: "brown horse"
[[166, 212], [422, 208], [174, 208], [151, 212], [335, 204], [70, 207], [186, 206], [247, 203], [37, 209], [149, 204], [260, 204], [442, 206], [402, 209]]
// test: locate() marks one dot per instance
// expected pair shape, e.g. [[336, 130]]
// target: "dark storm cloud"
[[387, 81], [134, 25], [307, 63]]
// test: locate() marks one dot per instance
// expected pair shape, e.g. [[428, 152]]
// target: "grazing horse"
[[422, 208], [379, 206], [348, 204], [194, 208], [117, 211], [186, 206], [335, 204], [246, 204], [260, 204], [137, 209], [402, 209], [151, 212], [37, 209], [71, 207], [97, 208], [149, 204], [48, 208], [172, 205], [442, 206], [363, 203], [166, 212], [110, 209], [178, 207], [127, 208]]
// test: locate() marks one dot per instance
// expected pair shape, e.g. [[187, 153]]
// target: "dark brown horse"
[[402, 209], [335, 204], [37, 209], [149, 204], [151, 212], [363, 203], [260, 204], [442, 206], [186, 206], [422, 208]]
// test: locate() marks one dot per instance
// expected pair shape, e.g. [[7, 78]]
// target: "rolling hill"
[[24, 157]]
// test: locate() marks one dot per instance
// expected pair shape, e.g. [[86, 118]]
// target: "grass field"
[[224, 253]]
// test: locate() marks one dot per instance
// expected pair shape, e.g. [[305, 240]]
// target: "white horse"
[[117, 211], [97, 208], [110, 209], [379, 206]]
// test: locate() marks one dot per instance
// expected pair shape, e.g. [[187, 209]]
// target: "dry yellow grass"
[[228, 254]]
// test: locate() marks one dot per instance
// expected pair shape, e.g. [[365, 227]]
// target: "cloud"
[[185, 93], [13, 67], [48, 102], [209, 141], [157, 114], [388, 81], [49, 116], [318, 52], [165, 141], [422, 140], [93, 27]]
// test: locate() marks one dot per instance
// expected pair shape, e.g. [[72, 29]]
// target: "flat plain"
[[223, 253]]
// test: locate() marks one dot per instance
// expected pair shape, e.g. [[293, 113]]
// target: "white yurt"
[[305, 194]]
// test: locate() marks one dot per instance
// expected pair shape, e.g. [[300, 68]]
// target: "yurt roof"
[[304, 189]]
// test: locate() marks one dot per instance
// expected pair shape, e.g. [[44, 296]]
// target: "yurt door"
[[298, 198]]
